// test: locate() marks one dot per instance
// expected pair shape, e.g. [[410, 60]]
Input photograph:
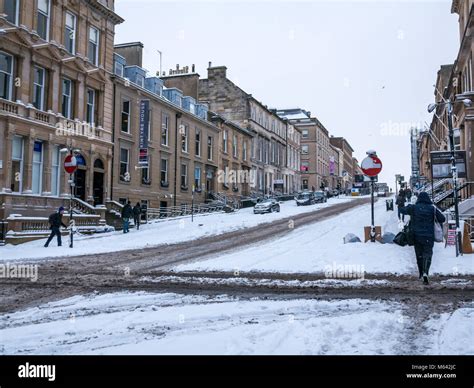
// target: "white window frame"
[[210, 146], [224, 141], [90, 107], [70, 97], [41, 86], [39, 164], [198, 184], [55, 167], [165, 127], [127, 164], [89, 41], [69, 31], [9, 75], [244, 150], [197, 143], [22, 162], [235, 149], [127, 113], [185, 139], [122, 68], [165, 171], [185, 175], [17, 12], [147, 169], [48, 18]]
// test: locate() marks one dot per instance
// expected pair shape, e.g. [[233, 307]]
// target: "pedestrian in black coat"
[[127, 213], [422, 220], [55, 223], [137, 212], [400, 202]]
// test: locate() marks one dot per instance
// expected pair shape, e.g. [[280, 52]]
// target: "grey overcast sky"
[[365, 69]]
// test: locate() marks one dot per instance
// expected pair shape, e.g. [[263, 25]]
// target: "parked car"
[[269, 205], [305, 198], [320, 197]]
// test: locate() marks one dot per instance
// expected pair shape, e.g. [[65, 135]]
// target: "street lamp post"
[[454, 171]]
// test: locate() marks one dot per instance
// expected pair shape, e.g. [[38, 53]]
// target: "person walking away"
[[408, 194], [55, 223], [127, 213], [422, 220], [137, 212], [400, 202]]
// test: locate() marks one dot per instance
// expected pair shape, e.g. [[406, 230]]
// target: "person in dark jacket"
[[422, 220], [400, 202], [137, 212], [127, 213], [55, 223], [408, 194]]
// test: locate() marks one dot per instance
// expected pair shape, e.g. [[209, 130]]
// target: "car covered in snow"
[[269, 205], [305, 198]]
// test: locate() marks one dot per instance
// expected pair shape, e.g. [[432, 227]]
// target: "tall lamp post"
[[449, 104]]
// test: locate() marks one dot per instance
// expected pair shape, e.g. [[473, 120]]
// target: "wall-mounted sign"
[[441, 164], [143, 132]]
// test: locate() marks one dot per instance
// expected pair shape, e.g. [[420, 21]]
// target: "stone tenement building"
[[268, 150], [235, 175], [55, 95], [316, 161], [454, 82], [347, 168], [293, 160], [436, 139], [181, 145], [461, 82]]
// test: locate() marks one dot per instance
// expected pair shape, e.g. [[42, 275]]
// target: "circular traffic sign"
[[371, 166], [70, 164]]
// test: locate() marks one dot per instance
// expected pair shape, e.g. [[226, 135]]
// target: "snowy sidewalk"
[[157, 233]]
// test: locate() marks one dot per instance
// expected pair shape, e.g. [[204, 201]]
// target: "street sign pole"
[[192, 205], [371, 167], [70, 166], [372, 227], [71, 222]]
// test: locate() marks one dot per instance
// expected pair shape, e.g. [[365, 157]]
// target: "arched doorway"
[[80, 178], [98, 188]]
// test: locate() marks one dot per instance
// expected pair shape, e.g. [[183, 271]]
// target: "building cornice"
[[105, 11]]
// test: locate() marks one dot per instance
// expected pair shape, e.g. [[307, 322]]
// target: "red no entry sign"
[[371, 166], [70, 164]]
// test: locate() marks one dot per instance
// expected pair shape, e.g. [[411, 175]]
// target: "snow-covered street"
[[280, 293], [167, 231], [144, 323], [320, 248]]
